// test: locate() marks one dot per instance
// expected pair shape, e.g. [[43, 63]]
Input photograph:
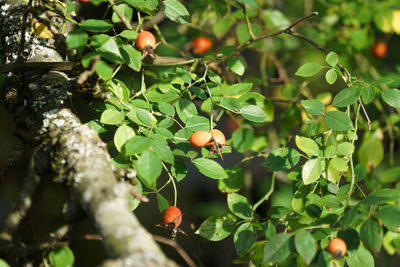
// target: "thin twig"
[[269, 35], [248, 23], [177, 247], [124, 20]]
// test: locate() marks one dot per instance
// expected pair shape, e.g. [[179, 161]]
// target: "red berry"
[[200, 138], [337, 247], [380, 49], [201, 45], [172, 215], [145, 38]]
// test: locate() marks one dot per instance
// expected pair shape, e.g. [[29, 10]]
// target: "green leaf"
[[126, 11], [99, 39], [123, 134], [223, 25], [185, 109], [252, 3], [390, 175], [149, 167], [162, 203], [210, 168], [167, 109], [371, 234], [391, 97], [239, 205], [308, 69], [331, 76], [145, 117], [234, 181], [307, 145], [277, 248], [339, 164], [62, 257], [179, 170], [275, 19], [132, 57], [238, 89], [244, 238], [282, 159], [176, 12], [332, 59], [338, 121], [77, 39], [360, 257], [112, 117], [131, 35], [381, 196], [368, 94], [147, 6], [110, 51], [3, 263], [346, 97], [253, 113], [216, 228], [163, 151], [242, 139], [305, 245], [103, 70], [197, 123], [344, 149], [390, 217], [371, 153], [313, 106], [119, 89], [236, 65], [135, 145], [311, 171], [157, 96], [95, 25]]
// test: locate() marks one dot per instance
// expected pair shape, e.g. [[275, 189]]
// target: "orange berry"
[[201, 45], [145, 38], [379, 49], [200, 138], [218, 137], [337, 247], [172, 215]]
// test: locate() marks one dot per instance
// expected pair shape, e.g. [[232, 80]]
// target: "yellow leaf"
[[41, 30], [396, 21]]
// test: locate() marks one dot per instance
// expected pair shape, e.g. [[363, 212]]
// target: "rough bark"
[[68, 150]]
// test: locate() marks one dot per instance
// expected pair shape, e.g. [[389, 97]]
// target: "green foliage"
[[62, 257], [312, 131]]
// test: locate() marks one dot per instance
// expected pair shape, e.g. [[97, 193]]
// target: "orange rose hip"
[[337, 247], [172, 215]]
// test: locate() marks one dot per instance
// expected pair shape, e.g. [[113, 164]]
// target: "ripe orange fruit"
[[144, 39], [337, 247], [379, 49], [85, 0], [218, 137], [172, 215], [201, 45], [200, 138]]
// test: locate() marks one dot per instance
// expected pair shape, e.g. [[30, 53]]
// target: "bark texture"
[[68, 151]]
